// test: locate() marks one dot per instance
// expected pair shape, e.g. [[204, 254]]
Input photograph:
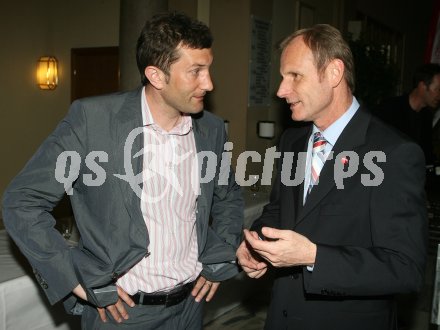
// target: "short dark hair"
[[326, 44], [163, 34], [425, 73]]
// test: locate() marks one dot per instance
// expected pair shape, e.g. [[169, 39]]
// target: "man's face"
[[306, 90], [432, 95], [189, 80]]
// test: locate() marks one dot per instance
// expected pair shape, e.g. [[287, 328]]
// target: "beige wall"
[[30, 29], [189, 7], [229, 22]]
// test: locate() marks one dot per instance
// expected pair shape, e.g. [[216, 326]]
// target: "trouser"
[[187, 315]]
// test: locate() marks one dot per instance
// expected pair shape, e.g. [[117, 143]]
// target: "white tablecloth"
[[22, 303]]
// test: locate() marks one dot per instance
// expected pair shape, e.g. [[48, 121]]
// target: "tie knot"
[[319, 142]]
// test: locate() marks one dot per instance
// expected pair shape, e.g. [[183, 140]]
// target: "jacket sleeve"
[[32, 195], [395, 261], [226, 220]]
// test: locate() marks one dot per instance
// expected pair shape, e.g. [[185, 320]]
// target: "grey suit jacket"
[[108, 216]]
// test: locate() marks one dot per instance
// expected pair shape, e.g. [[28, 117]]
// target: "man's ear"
[[155, 76], [335, 71]]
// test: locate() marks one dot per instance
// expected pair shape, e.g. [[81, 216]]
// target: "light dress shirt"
[[168, 205]]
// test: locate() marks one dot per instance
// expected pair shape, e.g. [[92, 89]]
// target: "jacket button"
[[114, 276], [284, 313], [294, 276]]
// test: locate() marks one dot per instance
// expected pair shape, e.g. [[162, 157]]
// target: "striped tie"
[[318, 159]]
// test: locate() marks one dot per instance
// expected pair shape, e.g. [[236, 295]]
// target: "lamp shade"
[[47, 72]]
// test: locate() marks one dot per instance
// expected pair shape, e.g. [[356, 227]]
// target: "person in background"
[[149, 254], [412, 113], [353, 234]]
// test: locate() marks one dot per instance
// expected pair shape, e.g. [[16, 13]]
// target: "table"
[[22, 303]]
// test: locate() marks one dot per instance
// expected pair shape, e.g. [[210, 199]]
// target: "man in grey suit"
[[159, 213], [353, 233]]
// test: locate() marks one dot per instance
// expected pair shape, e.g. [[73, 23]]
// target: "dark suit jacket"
[[371, 240], [113, 232]]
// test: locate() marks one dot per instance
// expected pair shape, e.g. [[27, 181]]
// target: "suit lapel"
[[205, 141], [298, 146], [128, 118], [350, 139]]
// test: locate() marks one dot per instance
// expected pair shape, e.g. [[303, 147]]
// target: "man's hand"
[[203, 287], [117, 311], [249, 262], [289, 249]]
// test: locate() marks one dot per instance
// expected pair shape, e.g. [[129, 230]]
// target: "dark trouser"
[[187, 315]]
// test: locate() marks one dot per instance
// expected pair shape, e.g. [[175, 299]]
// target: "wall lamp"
[[266, 129], [47, 72]]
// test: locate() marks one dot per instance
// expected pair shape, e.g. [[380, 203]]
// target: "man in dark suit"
[[159, 224], [343, 245]]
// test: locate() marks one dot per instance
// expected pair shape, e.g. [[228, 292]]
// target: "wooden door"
[[95, 71]]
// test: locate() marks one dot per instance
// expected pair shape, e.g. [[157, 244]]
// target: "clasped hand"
[[288, 248]]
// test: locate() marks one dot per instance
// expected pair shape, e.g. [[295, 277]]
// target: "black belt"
[[170, 298]]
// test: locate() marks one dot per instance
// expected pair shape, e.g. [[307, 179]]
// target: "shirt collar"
[[183, 127], [331, 134]]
